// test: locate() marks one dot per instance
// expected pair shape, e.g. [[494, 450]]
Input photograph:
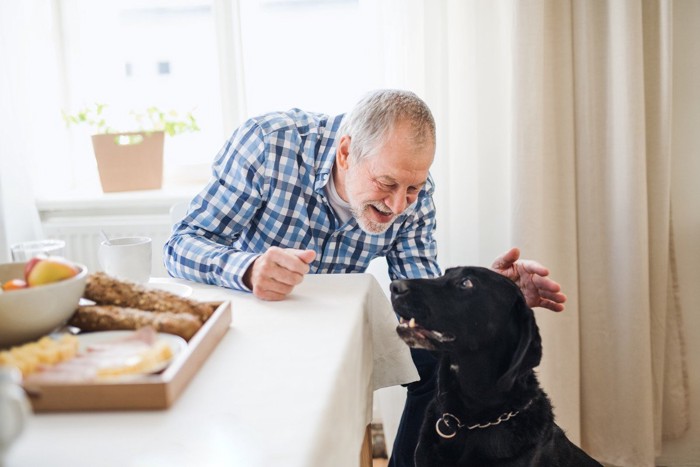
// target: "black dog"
[[489, 408]]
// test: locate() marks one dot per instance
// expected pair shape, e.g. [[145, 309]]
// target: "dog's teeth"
[[412, 323]]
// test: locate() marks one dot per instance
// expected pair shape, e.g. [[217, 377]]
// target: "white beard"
[[363, 219]]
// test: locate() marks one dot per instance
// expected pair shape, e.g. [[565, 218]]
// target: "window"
[[132, 55], [307, 54], [136, 53]]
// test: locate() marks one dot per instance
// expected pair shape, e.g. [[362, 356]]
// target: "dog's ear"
[[528, 351]]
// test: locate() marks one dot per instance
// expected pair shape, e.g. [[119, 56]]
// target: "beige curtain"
[[544, 188], [592, 106], [554, 135]]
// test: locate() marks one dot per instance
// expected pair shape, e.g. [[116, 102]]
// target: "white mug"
[[126, 258]]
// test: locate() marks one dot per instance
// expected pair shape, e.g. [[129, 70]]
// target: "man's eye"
[[466, 284]]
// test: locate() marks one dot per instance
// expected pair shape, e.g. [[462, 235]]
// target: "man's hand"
[[275, 273], [531, 277]]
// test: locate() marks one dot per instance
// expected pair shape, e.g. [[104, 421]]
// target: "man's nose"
[[397, 202]]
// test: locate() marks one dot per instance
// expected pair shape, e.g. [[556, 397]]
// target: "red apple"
[[31, 263], [39, 271]]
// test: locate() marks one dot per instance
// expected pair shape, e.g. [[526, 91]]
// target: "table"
[[290, 384]]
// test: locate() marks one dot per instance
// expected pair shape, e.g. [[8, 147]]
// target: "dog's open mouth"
[[418, 337]]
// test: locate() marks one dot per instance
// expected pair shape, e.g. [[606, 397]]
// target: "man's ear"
[[342, 157]]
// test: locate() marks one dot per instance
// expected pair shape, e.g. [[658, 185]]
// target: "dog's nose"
[[398, 287]]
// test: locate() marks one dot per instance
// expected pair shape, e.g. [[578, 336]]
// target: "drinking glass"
[[25, 251]]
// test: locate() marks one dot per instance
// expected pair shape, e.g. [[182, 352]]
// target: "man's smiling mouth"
[[383, 214]]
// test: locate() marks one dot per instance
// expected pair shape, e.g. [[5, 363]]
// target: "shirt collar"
[[326, 158]]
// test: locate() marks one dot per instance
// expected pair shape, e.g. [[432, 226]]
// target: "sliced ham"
[[139, 352]]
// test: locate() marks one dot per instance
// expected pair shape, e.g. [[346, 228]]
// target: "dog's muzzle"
[[418, 337]]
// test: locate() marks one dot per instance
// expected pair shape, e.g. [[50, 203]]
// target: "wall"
[[686, 212]]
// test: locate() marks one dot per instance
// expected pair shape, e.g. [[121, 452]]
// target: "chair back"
[[178, 211]]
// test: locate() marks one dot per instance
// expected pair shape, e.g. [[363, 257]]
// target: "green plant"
[[92, 116], [152, 119]]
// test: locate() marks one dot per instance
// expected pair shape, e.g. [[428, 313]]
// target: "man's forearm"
[[196, 258]]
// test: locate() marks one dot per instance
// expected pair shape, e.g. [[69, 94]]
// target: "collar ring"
[[447, 425]]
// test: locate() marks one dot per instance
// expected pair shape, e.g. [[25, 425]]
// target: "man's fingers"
[[551, 305], [274, 283], [272, 289], [533, 267], [289, 260], [531, 276], [276, 272], [506, 260], [545, 284], [556, 297], [305, 255]]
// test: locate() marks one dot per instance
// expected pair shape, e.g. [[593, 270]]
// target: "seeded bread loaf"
[[107, 290], [111, 317]]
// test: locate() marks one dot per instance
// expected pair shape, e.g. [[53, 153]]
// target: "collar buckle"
[[448, 425]]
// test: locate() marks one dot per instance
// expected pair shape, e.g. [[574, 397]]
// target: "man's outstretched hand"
[[531, 277]]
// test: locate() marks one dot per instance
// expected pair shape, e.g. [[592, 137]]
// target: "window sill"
[[92, 202], [79, 217]]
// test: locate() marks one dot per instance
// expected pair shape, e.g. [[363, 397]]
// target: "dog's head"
[[470, 311]]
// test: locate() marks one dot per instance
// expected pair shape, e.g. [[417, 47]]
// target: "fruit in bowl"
[[14, 284], [35, 310], [42, 270]]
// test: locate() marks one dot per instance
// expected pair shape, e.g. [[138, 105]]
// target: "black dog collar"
[[448, 425]]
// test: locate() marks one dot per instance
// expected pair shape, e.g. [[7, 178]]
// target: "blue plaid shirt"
[[268, 190]]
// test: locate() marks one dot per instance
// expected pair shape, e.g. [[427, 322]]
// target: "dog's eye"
[[466, 284]]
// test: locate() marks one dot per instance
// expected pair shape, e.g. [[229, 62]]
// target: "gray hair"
[[377, 113]]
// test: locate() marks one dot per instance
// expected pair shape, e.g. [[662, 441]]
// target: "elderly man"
[[295, 192]]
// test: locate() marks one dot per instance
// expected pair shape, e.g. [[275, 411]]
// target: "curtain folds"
[[26, 81], [554, 135], [542, 153], [631, 337]]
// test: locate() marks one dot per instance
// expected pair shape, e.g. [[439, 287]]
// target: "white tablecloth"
[[290, 384]]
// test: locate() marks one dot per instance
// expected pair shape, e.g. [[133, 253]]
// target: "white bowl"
[[27, 314]]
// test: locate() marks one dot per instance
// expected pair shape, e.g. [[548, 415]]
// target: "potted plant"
[[131, 160]]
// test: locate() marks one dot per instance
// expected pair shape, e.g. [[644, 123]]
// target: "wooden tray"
[[150, 392]]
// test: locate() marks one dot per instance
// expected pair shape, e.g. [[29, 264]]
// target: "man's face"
[[383, 185]]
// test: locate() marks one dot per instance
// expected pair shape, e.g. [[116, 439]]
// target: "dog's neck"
[[472, 390]]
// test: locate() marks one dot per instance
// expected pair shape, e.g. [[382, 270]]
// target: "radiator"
[[83, 238]]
